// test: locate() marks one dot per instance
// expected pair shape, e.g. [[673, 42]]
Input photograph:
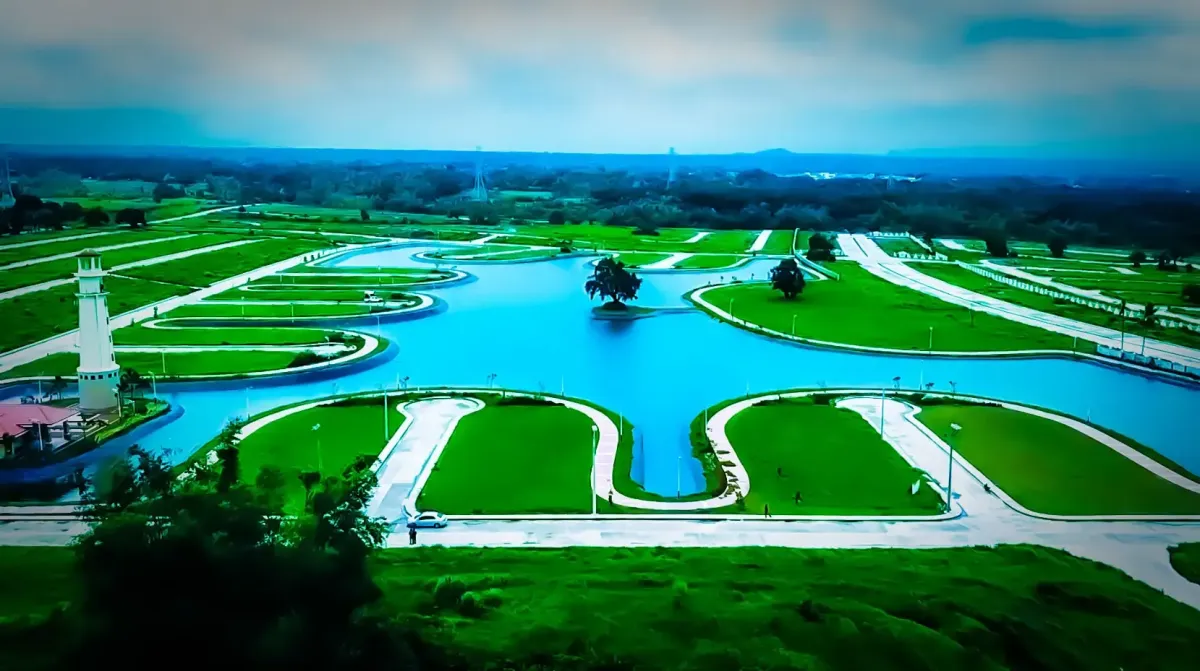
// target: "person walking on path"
[[766, 510], [412, 535], [610, 503], [798, 497]]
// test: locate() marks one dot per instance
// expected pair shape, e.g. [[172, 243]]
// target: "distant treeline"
[[1145, 213]]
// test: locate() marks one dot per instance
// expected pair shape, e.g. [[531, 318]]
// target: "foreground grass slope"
[[1012, 607]]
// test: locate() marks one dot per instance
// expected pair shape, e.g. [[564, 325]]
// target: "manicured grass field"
[[316, 293], [293, 446], [512, 459], [234, 310], [177, 363], [621, 238], [987, 609], [780, 242], [39, 315], [709, 261], [1160, 288], [1185, 559], [153, 248], [459, 252], [521, 255], [226, 263], [1051, 468], [831, 456], [894, 246], [137, 335], [118, 237], [851, 310], [966, 279], [639, 259]]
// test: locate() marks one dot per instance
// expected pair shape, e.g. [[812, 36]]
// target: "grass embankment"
[[1051, 468], [216, 266], [347, 429], [176, 363], [709, 261], [154, 246], [831, 456], [851, 311], [324, 292], [139, 335], [249, 311], [1155, 286], [117, 237], [966, 279], [779, 242], [41, 314], [1185, 559], [987, 609], [514, 456]]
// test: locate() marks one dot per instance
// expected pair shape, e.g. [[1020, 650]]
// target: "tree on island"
[[1138, 257], [1058, 246], [557, 218], [611, 280], [1191, 294], [788, 278]]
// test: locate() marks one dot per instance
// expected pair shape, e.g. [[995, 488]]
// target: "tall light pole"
[[793, 325], [316, 428], [882, 401], [931, 340], [592, 485], [386, 434], [1122, 328], [679, 476], [154, 386], [954, 429]]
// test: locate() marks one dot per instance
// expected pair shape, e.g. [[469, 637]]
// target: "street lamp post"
[[154, 386], [592, 486], [882, 401], [931, 340], [793, 325], [954, 429], [678, 476], [316, 429]]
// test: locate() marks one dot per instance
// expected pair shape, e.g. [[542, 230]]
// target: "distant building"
[[99, 373]]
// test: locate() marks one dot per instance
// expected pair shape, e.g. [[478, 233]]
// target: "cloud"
[[629, 74]]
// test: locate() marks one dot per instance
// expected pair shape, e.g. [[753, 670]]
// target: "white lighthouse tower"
[[99, 373]]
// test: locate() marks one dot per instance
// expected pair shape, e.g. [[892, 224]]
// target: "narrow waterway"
[[530, 325]]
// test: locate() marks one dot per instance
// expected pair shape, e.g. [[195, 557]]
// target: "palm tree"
[[58, 386], [132, 383], [1148, 314]]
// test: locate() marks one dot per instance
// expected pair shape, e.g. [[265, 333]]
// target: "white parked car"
[[370, 297], [428, 520]]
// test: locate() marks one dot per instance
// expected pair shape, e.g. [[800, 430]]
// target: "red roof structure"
[[15, 418]]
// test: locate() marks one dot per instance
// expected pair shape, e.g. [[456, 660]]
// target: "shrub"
[[679, 592], [448, 591], [307, 358]]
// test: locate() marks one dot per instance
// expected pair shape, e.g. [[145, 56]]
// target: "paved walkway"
[[70, 255], [949, 243], [44, 241], [668, 262], [698, 237], [409, 457], [1125, 271], [760, 241]]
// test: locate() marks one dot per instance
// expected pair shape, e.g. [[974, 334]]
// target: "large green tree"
[[610, 280], [787, 278], [209, 567]]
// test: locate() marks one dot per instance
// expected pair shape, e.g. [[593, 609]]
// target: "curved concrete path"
[[70, 255]]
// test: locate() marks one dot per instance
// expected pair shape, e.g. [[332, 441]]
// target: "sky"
[[1088, 78]]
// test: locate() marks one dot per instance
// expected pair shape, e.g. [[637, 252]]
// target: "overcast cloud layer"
[[1089, 77]]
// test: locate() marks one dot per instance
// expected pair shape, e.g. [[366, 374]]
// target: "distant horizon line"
[[983, 153]]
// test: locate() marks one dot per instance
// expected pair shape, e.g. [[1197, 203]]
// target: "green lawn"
[[317, 293], [347, 430], [220, 310], [639, 259], [1051, 468], [137, 335], [709, 261], [216, 266], [894, 246], [851, 311], [780, 242], [985, 609], [621, 238], [831, 456], [119, 237], [512, 459], [39, 315], [521, 255], [177, 363], [966, 279], [1185, 559], [154, 247]]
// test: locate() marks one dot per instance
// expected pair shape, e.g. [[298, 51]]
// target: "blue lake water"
[[530, 324]]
